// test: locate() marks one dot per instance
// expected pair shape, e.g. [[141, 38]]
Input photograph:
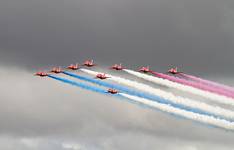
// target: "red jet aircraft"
[[173, 71], [88, 63], [144, 69], [112, 91], [41, 74], [56, 70], [73, 67], [101, 76], [117, 67]]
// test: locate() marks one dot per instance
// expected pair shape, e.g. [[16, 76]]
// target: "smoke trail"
[[187, 103], [212, 109], [79, 84], [186, 114], [194, 84], [163, 107], [207, 82], [192, 90]]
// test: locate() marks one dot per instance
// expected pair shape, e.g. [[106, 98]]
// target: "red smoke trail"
[[207, 82], [194, 84]]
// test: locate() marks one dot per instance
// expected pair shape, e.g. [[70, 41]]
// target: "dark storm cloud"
[[195, 35]]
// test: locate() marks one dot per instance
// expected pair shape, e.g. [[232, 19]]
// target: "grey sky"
[[196, 35]]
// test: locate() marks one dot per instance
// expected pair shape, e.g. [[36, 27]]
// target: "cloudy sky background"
[[36, 114]]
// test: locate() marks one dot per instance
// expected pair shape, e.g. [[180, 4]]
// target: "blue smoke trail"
[[81, 85], [141, 94]]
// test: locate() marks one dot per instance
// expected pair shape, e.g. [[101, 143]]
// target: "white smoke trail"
[[169, 96], [186, 114], [205, 94]]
